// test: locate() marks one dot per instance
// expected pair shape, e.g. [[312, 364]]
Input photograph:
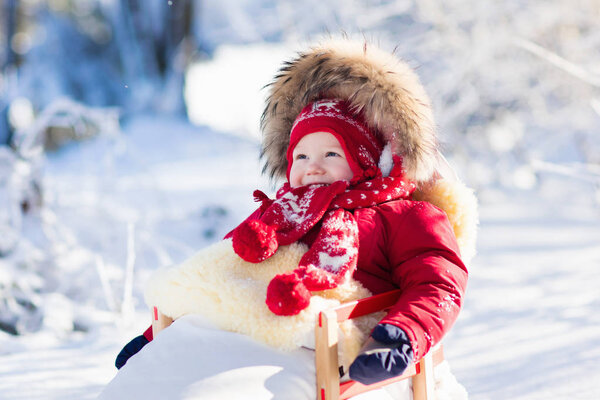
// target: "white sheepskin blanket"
[[230, 292]]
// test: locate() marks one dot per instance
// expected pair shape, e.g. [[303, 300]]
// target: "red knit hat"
[[361, 146]]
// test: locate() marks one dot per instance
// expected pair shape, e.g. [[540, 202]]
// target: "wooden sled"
[[326, 351], [326, 354]]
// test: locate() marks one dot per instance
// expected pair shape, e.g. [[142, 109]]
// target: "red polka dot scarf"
[[293, 213]]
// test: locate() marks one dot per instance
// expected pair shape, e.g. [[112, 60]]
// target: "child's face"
[[319, 158]]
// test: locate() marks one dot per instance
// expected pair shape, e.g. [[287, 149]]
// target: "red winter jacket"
[[408, 245]]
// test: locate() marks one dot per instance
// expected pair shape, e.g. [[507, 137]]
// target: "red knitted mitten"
[[287, 295], [254, 241]]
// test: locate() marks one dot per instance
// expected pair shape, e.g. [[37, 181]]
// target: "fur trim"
[[460, 205], [375, 82]]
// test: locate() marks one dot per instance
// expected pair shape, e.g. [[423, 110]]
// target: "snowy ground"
[[531, 328], [116, 206], [172, 196]]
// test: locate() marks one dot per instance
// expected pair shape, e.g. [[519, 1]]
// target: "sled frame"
[[326, 354], [326, 351]]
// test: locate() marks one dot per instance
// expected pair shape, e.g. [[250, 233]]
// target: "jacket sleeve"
[[148, 333], [426, 266]]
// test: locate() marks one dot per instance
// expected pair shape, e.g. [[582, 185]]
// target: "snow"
[[247, 103], [530, 327], [95, 191], [178, 356], [161, 189]]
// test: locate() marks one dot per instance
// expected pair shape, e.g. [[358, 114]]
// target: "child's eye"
[[332, 154], [301, 157]]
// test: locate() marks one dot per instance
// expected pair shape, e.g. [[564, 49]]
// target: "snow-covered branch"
[[579, 171], [559, 62]]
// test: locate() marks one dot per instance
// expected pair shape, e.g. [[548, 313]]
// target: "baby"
[[352, 207], [351, 204], [350, 129]]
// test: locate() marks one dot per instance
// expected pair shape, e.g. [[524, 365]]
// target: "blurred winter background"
[[129, 139]]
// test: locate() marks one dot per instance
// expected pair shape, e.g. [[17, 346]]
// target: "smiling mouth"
[[314, 182], [319, 182]]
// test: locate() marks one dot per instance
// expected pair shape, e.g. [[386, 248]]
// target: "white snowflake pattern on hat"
[[328, 104]]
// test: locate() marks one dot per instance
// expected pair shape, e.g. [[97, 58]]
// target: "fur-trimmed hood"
[[375, 82]]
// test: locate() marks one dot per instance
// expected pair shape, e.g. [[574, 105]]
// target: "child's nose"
[[314, 167]]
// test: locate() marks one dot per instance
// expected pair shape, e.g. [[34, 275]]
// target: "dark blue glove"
[[388, 357], [130, 349]]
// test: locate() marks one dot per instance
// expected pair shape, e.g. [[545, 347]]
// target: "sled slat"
[[326, 357], [159, 321], [423, 384], [358, 308]]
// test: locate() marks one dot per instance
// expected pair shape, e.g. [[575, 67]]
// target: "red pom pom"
[[287, 295], [254, 241]]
